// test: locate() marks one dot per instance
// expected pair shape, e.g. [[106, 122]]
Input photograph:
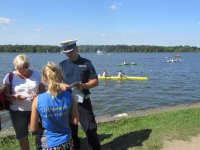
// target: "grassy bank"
[[140, 133]]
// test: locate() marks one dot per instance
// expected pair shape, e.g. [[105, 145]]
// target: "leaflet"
[[74, 84]]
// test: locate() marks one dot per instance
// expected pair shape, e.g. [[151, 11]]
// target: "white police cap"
[[68, 46]]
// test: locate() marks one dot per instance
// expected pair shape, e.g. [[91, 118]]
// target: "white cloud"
[[4, 29], [39, 29], [115, 6], [103, 34], [128, 34], [5, 20]]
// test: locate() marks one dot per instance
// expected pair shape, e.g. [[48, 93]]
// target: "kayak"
[[129, 64], [123, 78]]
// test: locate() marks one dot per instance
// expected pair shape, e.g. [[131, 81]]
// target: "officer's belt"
[[87, 96]]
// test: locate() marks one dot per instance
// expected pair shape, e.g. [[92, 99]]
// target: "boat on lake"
[[129, 64], [99, 52], [173, 59]]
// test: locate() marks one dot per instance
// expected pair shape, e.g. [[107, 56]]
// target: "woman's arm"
[[74, 113], [34, 116], [42, 88], [2, 87], [64, 86], [11, 97]]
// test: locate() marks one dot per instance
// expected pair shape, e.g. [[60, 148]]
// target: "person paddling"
[[121, 74], [105, 74]]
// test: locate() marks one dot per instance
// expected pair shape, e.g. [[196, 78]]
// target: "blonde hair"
[[54, 75], [20, 60]]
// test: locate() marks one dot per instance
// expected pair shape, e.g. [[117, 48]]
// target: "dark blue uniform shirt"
[[79, 70]]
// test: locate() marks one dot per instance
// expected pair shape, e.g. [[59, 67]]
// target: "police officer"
[[78, 69]]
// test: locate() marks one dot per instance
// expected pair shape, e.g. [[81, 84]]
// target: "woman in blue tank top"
[[56, 109]]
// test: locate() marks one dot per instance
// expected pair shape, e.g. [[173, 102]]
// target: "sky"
[[100, 22]]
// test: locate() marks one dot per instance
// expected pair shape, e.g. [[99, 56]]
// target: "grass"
[[140, 133]]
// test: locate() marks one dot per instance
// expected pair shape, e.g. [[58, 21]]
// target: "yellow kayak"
[[122, 78]]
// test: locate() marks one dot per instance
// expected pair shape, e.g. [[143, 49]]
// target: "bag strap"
[[10, 81]]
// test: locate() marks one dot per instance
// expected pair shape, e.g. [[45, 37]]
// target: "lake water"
[[169, 84]]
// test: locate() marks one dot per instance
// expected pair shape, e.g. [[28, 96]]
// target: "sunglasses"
[[23, 67]]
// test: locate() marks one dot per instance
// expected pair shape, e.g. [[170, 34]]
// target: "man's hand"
[[80, 86]]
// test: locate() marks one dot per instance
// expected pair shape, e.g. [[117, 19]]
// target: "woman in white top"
[[26, 84]]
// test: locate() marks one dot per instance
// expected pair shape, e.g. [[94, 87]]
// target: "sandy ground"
[[192, 144]]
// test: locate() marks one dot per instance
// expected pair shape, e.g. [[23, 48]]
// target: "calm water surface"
[[169, 84]]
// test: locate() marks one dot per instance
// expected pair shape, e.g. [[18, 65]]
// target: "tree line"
[[105, 48]]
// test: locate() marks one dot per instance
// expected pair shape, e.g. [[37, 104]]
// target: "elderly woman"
[[1, 90], [26, 84]]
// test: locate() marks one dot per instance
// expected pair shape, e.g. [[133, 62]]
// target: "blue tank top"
[[54, 112]]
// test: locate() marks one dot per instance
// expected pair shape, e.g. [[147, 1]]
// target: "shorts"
[[20, 121], [65, 146]]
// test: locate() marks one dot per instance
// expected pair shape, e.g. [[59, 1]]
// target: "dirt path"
[[192, 144]]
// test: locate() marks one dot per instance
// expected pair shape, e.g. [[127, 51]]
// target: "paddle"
[[124, 76], [121, 74]]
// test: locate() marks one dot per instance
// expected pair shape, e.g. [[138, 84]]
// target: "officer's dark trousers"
[[88, 123]]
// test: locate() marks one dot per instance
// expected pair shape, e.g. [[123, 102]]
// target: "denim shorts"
[[20, 121]]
